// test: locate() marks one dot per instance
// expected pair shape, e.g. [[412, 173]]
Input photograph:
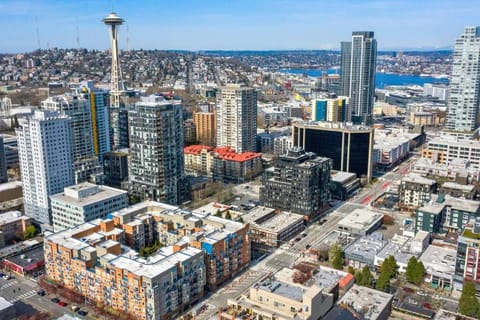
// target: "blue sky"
[[235, 24]]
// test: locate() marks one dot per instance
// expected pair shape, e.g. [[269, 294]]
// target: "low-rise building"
[[25, 263], [11, 195], [389, 150], [92, 260], [414, 191], [282, 299], [225, 242], [458, 190], [222, 163], [343, 185], [361, 222], [467, 266], [7, 310], [368, 303], [445, 149], [439, 263], [363, 251], [445, 213], [270, 229], [84, 202], [458, 170], [13, 226]]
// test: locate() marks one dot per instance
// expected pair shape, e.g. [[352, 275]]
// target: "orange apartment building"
[[206, 127], [226, 243], [90, 260], [222, 163]]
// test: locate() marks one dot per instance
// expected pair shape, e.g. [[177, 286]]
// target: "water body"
[[381, 79]]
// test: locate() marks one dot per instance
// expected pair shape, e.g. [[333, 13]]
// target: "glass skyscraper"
[[462, 111], [358, 75]]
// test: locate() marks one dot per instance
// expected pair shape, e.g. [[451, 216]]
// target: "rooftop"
[[286, 290], [342, 176], [360, 219], [439, 261], [457, 186], [369, 302], [11, 216], [281, 221], [28, 259], [84, 194], [415, 178], [196, 149], [366, 247]]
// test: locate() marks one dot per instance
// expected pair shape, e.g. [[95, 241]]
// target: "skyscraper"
[[237, 118], [357, 78], [156, 150], [77, 108], [99, 105], [45, 152], [463, 103], [117, 107]]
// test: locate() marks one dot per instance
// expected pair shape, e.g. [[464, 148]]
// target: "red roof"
[[227, 153], [345, 280], [196, 149]]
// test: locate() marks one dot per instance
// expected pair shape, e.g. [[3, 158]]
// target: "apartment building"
[[84, 202], [90, 260], [12, 226], [205, 127], [467, 266], [226, 243], [222, 163], [299, 183], [446, 149], [414, 191]]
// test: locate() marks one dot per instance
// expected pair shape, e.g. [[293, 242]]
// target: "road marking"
[[8, 284], [23, 296]]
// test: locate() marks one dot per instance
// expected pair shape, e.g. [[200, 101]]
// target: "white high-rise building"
[[358, 75], [237, 118], [45, 153], [463, 103]]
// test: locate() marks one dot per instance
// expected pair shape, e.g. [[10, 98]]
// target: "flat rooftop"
[[10, 185], [415, 178], [439, 261], [343, 177], [11, 216], [283, 289], [100, 194], [28, 258], [366, 301], [257, 214], [360, 219], [366, 247], [457, 186]]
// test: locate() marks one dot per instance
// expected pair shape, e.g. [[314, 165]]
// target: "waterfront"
[[381, 79]]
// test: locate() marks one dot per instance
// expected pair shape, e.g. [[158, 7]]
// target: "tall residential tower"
[[358, 75], [156, 150], [237, 118], [463, 103], [45, 152]]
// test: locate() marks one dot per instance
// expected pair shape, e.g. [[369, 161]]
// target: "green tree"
[[240, 219], [366, 277], [387, 272], [335, 256], [468, 304], [415, 271], [228, 215], [351, 270], [358, 277], [218, 213], [30, 232]]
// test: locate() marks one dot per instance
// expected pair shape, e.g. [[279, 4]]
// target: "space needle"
[[114, 22]]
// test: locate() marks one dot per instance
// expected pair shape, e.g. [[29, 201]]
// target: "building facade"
[[85, 202], [299, 183], [357, 79], [12, 227], [206, 127], [115, 168], [349, 147], [46, 157], [237, 118], [467, 265], [464, 99], [88, 259], [156, 150], [414, 191], [331, 110]]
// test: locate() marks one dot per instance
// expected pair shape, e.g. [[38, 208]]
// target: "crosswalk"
[[8, 284], [23, 296]]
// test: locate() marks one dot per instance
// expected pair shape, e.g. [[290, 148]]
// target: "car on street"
[[82, 313], [427, 306], [41, 292], [298, 239], [75, 308], [55, 300], [408, 290], [62, 303]]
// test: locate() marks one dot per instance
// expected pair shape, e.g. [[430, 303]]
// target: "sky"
[[234, 24]]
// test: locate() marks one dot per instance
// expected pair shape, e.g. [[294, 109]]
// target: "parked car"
[[41, 292], [75, 308], [409, 290], [62, 303], [82, 313], [427, 306], [55, 300]]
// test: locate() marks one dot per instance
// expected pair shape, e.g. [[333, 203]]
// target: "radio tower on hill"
[[117, 86]]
